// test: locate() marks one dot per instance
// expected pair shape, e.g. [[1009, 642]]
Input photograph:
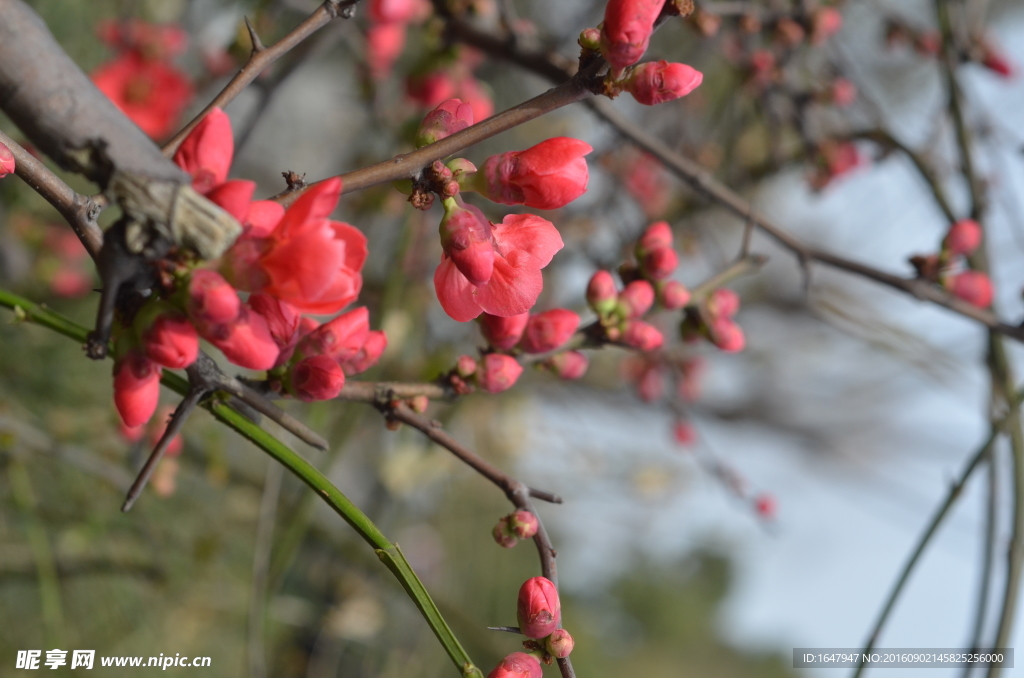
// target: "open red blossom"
[[316, 378], [136, 388], [341, 338], [659, 81], [450, 117], [498, 372], [152, 93], [973, 287], [964, 237], [207, 151], [211, 300], [523, 245], [282, 321], [6, 161], [627, 29], [546, 176], [503, 333], [538, 608], [517, 665], [384, 44], [308, 260], [245, 341], [549, 330], [234, 197]]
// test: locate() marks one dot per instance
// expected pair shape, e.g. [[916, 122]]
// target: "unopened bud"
[[642, 336], [517, 665], [973, 287], [465, 366], [568, 364], [503, 333], [500, 373], [559, 644], [723, 303], [523, 524], [727, 335], [673, 295], [419, 403], [503, 537], [636, 299], [7, 163], [964, 237], [538, 608], [601, 293], [590, 39]]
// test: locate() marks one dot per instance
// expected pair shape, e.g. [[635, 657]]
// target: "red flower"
[[964, 237], [368, 355], [246, 341], [316, 378], [6, 161], [642, 336], [450, 117], [627, 29], [538, 608], [546, 176], [499, 372], [503, 333], [136, 388], [340, 338], [523, 245], [207, 151], [211, 300], [568, 364], [466, 238], [656, 82], [384, 44], [172, 341], [549, 330], [152, 93], [517, 665], [308, 260], [973, 287]]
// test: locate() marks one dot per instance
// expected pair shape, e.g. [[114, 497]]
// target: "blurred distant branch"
[[261, 58]]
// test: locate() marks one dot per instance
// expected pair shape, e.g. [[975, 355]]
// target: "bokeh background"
[[852, 406]]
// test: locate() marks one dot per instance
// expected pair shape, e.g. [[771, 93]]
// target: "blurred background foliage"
[[177, 573]]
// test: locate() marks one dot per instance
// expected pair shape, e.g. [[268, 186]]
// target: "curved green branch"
[[387, 551]]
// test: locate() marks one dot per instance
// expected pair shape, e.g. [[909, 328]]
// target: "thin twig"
[[262, 58]]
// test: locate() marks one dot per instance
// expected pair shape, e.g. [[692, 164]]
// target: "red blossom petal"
[[314, 205], [207, 151], [530, 234], [234, 197], [455, 292], [514, 286]]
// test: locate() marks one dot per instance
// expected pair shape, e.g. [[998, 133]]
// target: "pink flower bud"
[[684, 433], [627, 29], [373, 348], [467, 239], [674, 295], [503, 333], [723, 303], [499, 372], [642, 336], [450, 117], [766, 506], [659, 263], [465, 366], [172, 341], [659, 81], [657, 236], [316, 378], [590, 39], [637, 298], [246, 341], [523, 524], [538, 609], [384, 44], [549, 330], [136, 388], [973, 287], [568, 364], [964, 237], [502, 536], [827, 22], [419, 403], [559, 644], [601, 293], [211, 299], [6, 161], [727, 335], [517, 665], [546, 176]]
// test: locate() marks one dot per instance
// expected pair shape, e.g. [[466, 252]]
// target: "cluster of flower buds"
[[948, 266], [142, 80], [538, 333], [622, 39], [517, 525], [450, 76], [540, 614], [494, 373], [385, 37], [290, 262], [713, 320]]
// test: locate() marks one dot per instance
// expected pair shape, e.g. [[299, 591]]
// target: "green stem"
[[386, 550]]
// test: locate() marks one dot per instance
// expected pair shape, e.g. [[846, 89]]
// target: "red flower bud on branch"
[[963, 238], [211, 299], [503, 333], [6, 161], [546, 176], [517, 665], [316, 378], [568, 364], [674, 295], [498, 372], [549, 330], [601, 293], [136, 388], [559, 644], [659, 81], [538, 609], [637, 298], [973, 287], [450, 117], [642, 336], [627, 29]]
